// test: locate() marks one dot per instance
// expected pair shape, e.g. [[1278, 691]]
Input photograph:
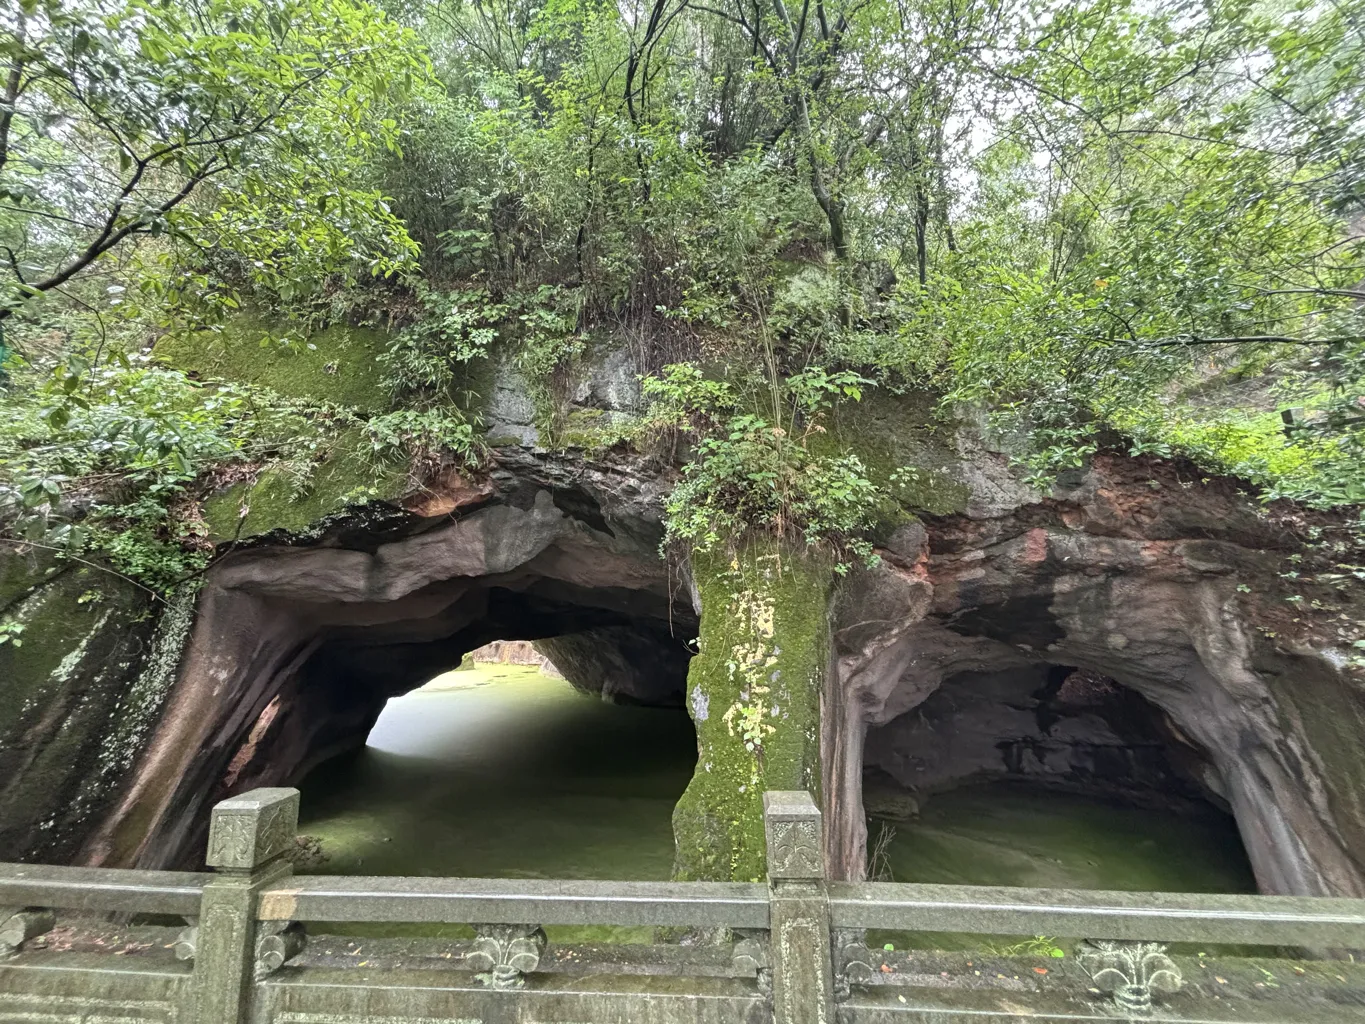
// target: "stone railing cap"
[[247, 831], [257, 799], [789, 803]]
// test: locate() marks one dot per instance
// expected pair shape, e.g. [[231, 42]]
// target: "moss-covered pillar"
[[753, 691]]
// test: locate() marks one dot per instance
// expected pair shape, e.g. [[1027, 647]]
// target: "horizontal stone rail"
[[102, 889], [797, 952], [504, 901], [1144, 916]]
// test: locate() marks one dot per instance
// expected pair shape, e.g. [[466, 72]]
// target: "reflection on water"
[[1020, 835], [500, 771], [1009, 834]]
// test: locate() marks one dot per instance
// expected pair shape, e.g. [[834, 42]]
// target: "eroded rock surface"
[[80, 693], [296, 649], [635, 664], [1143, 573], [946, 662]]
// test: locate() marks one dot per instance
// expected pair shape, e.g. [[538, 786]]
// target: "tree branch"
[[10, 98], [1253, 339], [111, 236]]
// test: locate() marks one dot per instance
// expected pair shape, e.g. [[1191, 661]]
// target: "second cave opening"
[[1051, 777]]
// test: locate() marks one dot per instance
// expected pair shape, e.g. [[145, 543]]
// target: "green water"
[[1008, 834], [505, 773], [1017, 835], [500, 771]]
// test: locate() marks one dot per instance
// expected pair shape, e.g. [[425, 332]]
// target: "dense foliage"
[[239, 132], [1094, 220]]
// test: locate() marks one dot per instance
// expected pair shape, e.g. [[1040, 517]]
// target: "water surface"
[[500, 771], [1012, 834]]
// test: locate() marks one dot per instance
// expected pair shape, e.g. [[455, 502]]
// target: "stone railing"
[[791, 950]]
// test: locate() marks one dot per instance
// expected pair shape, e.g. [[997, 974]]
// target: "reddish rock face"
[[1161, 582], [1148, 574], [296, 649], [445, 491]]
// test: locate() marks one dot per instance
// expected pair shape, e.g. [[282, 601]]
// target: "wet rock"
[[1133, 570], [1145, 585], [296, 648], [637, 664], [72, 712]]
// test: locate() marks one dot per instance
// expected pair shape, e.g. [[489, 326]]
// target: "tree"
[[237, 134]]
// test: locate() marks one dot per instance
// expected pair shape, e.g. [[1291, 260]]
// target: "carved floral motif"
[[244, 837], [230, 839], [504, 953], [1131, 972], [794, 849]]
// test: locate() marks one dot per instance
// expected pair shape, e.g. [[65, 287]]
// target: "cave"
[[501, 767], [1099, 641], [1046, 775], [296, 650], [1053, 726], [1082, 646]]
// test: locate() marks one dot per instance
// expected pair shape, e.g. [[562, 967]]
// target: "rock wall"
[[82, 677], [512, 652], [1144, 572], [1047, 724], [754, 695], [643, 663], [295, 649], [1140, 571]]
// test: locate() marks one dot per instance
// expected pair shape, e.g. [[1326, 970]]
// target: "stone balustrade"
[[791, 951]]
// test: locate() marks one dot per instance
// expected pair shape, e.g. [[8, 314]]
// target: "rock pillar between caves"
[[753, 692]]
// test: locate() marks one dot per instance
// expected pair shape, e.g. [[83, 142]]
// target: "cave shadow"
[[1048, 776], [290, 685]]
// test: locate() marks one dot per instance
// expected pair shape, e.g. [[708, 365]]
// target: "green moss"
[[905, 450], [338, 364], [474, 383], [54, 626], [762, 660], [279, 500], [596, 429], [59, 689]]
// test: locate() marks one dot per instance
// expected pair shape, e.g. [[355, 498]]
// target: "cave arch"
[[1160, 617], [1051, 725], [295, 650]]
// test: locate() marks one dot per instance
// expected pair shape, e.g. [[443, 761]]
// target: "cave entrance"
[[1046, 776], [503, 768], [296, 652]]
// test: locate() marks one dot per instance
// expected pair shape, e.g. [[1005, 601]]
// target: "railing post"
[[803, 974], [248, 838]]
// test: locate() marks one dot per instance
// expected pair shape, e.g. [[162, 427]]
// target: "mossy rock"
[[597, 429], [763, 651], [85, 635], [21, 572], [277, 500], [899, 434], [339, 364]]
